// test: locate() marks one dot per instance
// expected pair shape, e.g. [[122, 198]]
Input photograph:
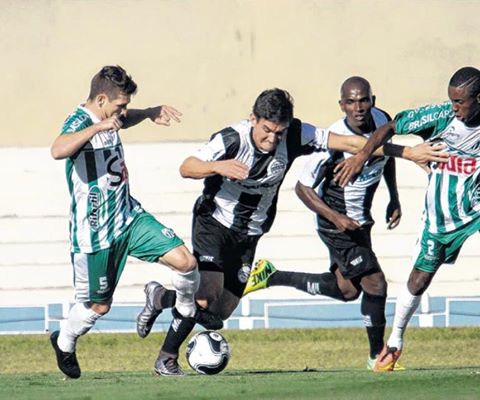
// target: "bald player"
[[344, 219]]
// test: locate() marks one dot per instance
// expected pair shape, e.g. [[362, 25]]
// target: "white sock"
[[80, 319], [405, 306], [186, 286]]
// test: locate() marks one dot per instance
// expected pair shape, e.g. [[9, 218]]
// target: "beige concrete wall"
[[210, 58]]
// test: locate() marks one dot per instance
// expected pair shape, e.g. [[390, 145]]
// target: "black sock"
[[373, 311], [325, 283], [166, 300], [177, 333]]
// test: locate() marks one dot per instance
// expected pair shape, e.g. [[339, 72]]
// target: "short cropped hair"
[[355, 80], [112, 80], [468, 77], [274, 105]]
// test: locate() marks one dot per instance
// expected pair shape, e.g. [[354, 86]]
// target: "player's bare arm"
[[422, 154], [394, 211], [161, 115], [349, 169], [311, 199], [354, 144], [195, 168], [68, 144]]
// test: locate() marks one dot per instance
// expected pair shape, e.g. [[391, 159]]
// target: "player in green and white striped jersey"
[[452, 202], [107, 224]]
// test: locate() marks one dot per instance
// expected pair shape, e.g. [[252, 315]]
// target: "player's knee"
[[375, 284], [186, 263], [418, 282], [100, 309], [350, 294]]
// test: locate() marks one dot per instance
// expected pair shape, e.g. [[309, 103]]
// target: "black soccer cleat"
[[149, 314], [168, 367], [67, 362], [208, 320]]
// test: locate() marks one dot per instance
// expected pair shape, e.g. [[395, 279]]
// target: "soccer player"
[[107, 224], [452, 201], [243, 167], [344, 220]]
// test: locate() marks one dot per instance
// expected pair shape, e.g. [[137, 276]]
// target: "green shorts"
[[96, 275], [435, 249]]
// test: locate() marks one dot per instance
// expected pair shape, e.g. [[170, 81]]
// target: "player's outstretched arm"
[[422, 154], [68, 144], [310, 198], [348, 170], [161, 115], [195, 168]]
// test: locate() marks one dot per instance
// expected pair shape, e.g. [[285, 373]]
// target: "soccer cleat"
[[67, 362], [387, 360], [149, 314], [259, 275], [168, 367], [208, 320], [371, 364]]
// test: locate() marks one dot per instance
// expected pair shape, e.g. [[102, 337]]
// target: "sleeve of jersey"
[[221, 146], [74, 124], [433, 118], [311, 175], [315, 137]]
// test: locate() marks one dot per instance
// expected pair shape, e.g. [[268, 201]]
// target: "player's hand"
[[348, 170], [344, 223], [394, 214], [232, 169], [427, 152], [162, 115], [112, 123]]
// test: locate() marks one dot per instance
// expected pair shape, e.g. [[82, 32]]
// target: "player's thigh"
[[374, 283], [432, 250], [149, 240], [351, 252], [238, 264], [349, 290], [211, 287], [210, 240], [96, 275], [179, 259]]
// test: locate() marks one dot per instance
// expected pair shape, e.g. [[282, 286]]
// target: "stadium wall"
[[34, 250], [211, 58]]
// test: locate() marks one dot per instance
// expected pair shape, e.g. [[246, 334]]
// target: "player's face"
[[357, 102], [117, 106], [267, 134], [465, 106]]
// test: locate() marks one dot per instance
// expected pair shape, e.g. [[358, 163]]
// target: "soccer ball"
[[208, 352]]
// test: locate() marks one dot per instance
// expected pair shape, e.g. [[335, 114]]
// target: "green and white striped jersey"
[[453, 194], [97, 177]]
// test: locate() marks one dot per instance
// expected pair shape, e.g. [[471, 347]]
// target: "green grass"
[[266, 364]]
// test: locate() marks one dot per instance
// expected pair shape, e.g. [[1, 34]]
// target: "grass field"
[[266, 364]]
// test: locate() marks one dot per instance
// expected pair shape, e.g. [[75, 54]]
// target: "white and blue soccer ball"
[[208, 352]]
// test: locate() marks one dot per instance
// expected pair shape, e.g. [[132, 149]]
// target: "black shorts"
[[351, 251], [220, 249]]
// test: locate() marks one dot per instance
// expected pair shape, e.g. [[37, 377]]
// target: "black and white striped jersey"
[[355, 200], [249, 206]]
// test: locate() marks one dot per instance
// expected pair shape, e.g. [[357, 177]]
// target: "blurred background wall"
[[210, 58]]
